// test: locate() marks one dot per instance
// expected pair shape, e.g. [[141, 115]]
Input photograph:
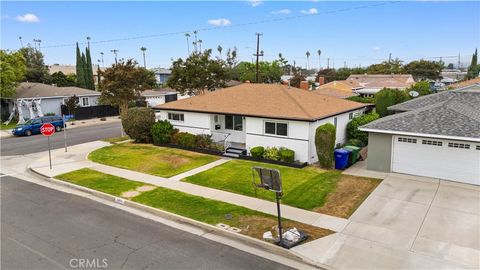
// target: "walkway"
[[76, 159]]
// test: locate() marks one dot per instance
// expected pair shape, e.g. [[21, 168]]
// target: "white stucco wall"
[[297, 139], [154, 101], [195, 123]]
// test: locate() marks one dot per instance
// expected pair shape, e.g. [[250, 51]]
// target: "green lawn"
[[115, 140], [145, 158], [308, 188], [9, 126], [99, 181], [209, 211]]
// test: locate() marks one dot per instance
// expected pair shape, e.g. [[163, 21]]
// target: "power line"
[[232, 25]]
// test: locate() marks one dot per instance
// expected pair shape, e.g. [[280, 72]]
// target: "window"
[[459, 145], [428, 142], [176, 117], [407, 140], [274, 128], [478, 147], [234, 122], [215, 118], [350, 116], [85, 101]]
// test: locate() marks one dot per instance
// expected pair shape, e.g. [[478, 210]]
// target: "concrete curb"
[[243, 239]]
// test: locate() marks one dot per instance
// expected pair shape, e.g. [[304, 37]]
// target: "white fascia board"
[[421, 135]]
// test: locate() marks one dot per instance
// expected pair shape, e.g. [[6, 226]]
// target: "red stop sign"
[[47, 129]]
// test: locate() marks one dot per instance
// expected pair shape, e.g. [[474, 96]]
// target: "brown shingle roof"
[[465, 83], [265, 100], [334, 92], [39, 90], [157, 92], [382, 80]]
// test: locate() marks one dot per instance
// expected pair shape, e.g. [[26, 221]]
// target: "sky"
[[348, 33]]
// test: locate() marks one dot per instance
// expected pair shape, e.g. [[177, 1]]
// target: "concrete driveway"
[[408, 222]]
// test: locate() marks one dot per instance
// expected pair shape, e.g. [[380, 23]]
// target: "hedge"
[[138, 123], [162, 132], [325, 144], [353, 133], [257, 151], [388, 97], [287, 155]]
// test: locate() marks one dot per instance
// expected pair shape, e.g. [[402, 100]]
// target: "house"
[[465, 83], [435, 136], [155, 97], [161, 74], [72, 69], [268, 115], [339, 89], [373, 83], [36, 99]]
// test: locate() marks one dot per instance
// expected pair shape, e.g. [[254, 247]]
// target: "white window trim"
[[83, 102], [233, 122], [176, 121], [276, 122]]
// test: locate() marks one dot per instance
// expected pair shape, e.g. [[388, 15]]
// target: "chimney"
[[304, 85], [321, 80]]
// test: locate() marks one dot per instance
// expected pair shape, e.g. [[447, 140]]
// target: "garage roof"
[[40, 90], [449, 114]]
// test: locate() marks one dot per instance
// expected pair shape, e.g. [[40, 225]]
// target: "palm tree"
[[88, 42], [219, 49], [143, 49], [308, 59], [319, 63], [196, 40], [187, 35], [200, 44]]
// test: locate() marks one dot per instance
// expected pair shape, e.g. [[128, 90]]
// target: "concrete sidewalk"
[[76, 159]]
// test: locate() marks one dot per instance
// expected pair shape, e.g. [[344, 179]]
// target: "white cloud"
[[282, 11], [28, 17], [310, 11], [255, 3], [376, 48], [220, 22]]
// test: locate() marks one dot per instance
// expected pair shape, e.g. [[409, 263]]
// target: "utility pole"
[[143, 49], [21, 42], [37, 41], [103, 64], [114, 51], [257, 55], [389, 57], [344, 64], [319, 60], [458, 65], [328, 63]]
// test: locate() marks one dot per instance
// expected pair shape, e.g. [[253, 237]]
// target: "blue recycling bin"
[[341, 158]]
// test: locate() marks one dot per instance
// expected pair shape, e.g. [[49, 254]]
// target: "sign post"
[[47, 130], [65, 131]]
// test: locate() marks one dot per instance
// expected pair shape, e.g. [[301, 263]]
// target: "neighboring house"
[[156, 97], [268, 115], [339, 89], [454, 74], [72, 69], [373, 83], [36, 99], [465, 83], [161, 74], [437, 136]]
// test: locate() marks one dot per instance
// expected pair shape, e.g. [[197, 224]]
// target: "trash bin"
[[355, 153], [341, 158], [350, 157]]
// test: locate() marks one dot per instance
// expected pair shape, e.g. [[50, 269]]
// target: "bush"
[[137, 123], [325, 144], [204, 141], [162, 132], [257, 151], [353, 133], [362, 99], [185, 139], [49, 114], [271, 153], [355, 142], [287, 155], [388, 97]]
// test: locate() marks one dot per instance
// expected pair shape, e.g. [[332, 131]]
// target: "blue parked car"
[[33, 125]]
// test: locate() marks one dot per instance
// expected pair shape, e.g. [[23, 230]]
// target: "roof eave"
[[394, 132]]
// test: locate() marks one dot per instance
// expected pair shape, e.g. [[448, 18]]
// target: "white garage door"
[[444, 159]]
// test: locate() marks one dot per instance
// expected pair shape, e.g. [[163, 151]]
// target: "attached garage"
[[445, 159]]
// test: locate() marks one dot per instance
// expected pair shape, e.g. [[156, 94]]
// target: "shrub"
[[49, 114], [257, 151], [162, 132], [271, 153], [355, 142], [388, 97], [287, 155], [203, 141], [137, 123], [325, 144], [353, 133], [362, 99], [186, 139]]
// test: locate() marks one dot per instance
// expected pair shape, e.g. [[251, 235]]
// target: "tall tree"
[[198, 73], [143, 49], [220, 49], [423, 69], [329, 75], [297, 78], [36, 70], [89, 70], [123, 82], [474, 68], [12, 71], [386, 67], [268, 72], [62, 80], [81, 81]]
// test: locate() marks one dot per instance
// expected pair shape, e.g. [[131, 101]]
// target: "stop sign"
[[47, 129]]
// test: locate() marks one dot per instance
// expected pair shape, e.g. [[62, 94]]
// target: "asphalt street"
[[38, 143], [47, 229]]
